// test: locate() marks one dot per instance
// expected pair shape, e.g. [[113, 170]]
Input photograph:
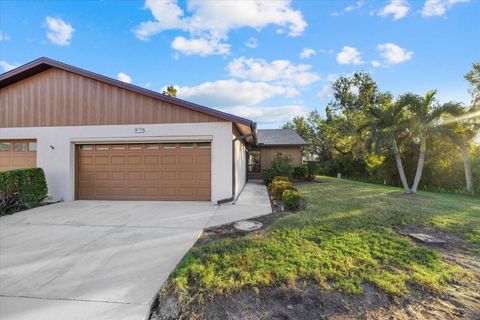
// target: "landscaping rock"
[[247, 225]]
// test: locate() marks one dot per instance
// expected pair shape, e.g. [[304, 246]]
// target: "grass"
[[343, 239]]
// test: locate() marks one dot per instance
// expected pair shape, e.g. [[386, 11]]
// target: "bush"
[[291, 199], [268, 175], [22, 188], [313, 169], [278, 187], [280, 178], [282, 165], [301, 172]]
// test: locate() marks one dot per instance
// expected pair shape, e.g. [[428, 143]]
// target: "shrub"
[[291, 199], [301, 172], [268, 175], [280, 178], [313, 169], [278, 187], [282, 165], [22, 188]]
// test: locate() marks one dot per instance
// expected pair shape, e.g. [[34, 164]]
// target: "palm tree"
[[426, 120], [461, 130], [385, 122]]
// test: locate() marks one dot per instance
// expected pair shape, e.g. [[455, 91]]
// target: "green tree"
[[171, 91], [385, 122]]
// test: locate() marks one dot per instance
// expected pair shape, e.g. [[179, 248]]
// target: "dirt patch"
[[228, 231]]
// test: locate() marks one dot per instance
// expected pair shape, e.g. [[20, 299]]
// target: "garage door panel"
[[17, 154], [144, 172]]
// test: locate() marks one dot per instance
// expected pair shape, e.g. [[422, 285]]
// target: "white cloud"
[[397, 8], [200, 46], [326, 92], [392, 54], [307, 53], [376, 63], [213, 20], [269, 114], [124, 77], [8, 66], [355, 6], [59, 32], [438, 7], [252, 43], [4, 36], [277, 71], [349, 55], [232, 93]]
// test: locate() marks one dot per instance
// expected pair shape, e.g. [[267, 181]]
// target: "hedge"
[[301, 172], [22, 189]]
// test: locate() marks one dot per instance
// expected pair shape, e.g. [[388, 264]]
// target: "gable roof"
[[43, 63], [279, 137]]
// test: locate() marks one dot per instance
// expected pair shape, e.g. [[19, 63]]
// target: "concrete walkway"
[[102, 259], [252, 202]]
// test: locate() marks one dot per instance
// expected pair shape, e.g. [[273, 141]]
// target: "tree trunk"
[[421, 161], [401, 172], [468, 168]]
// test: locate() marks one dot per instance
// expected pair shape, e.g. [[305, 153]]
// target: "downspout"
[[233, 169]]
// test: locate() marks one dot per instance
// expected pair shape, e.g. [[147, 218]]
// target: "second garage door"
[[151, 171]]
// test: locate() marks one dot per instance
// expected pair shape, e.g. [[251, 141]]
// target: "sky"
[[267, 61]]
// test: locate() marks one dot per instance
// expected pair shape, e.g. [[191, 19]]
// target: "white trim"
[[120, 140]]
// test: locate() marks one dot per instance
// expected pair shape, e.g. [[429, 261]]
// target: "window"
[[254, 161], [203, 145], [5, 146], [118, 147], [102, 147], [135, 147], [19, 146], [152, 147], [186, 145], [32, 146], [86, 147], [170, 146]]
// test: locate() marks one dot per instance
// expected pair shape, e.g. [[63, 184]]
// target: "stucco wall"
[[240, 166], [59, 162]]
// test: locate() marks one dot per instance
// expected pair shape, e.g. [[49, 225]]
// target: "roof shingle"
[[279, 137]]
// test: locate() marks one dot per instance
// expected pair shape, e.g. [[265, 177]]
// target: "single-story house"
[[271, 143], [100, 138]]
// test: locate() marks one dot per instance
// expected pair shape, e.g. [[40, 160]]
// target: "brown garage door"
[[16, 154], [153, 171]]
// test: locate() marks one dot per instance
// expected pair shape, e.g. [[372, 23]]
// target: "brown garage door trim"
[[193, 189]]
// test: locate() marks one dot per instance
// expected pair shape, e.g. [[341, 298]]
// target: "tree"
[[384, 123], [427, 115], [171, 91], [473, 78]]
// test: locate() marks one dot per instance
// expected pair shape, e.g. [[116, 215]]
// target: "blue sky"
[[246, 57]]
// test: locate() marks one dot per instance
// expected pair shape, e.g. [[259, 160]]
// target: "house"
[[271, 143], [100, 138]]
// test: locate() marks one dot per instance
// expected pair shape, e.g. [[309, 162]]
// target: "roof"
[[279, 137], [42, 64]]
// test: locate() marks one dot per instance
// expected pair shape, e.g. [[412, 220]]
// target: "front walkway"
[[252, 202], [103, 259]]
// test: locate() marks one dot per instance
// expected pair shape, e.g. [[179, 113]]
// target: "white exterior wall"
[[240, 166], [59, 163]]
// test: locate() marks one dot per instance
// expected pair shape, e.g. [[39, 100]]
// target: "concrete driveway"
[[93, 259]]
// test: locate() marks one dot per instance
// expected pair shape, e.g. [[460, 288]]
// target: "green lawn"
[[343, 238]]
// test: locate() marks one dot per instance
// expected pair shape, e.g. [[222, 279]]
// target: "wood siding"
[[57, 97], [267, 154]]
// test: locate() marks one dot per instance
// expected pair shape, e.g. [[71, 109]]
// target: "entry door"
[[150, 171]]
